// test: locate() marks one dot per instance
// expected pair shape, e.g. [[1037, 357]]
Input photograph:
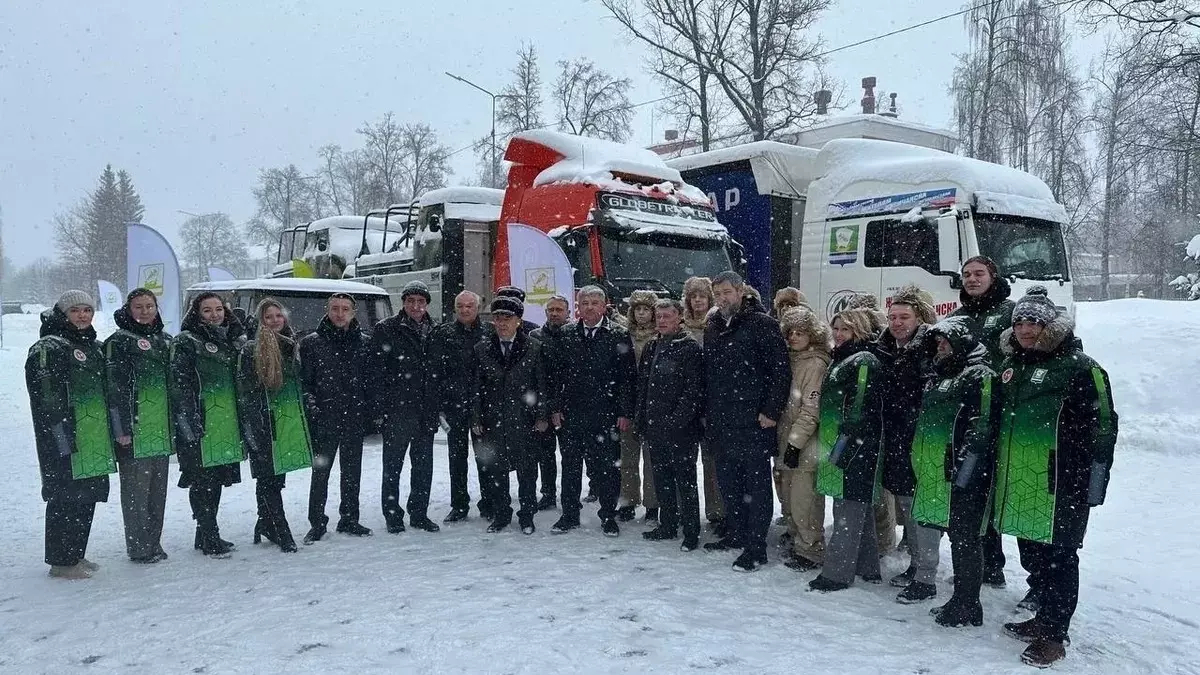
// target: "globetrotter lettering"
[[654, 206]]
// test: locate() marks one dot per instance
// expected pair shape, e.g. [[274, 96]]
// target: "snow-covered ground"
[[465, 601]]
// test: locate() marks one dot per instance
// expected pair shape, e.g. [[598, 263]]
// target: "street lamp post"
[[494, 97]]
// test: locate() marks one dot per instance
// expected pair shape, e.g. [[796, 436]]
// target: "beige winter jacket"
[[798, 424]]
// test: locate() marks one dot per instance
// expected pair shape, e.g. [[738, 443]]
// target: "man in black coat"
[[517, 294], [593, 404], [747, 380], [509, 413], [332, 372], [550, 335], [453, 355], [402, 399], [670, 403]]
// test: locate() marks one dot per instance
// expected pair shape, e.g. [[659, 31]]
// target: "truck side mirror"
[[435, 223], [948, 262]]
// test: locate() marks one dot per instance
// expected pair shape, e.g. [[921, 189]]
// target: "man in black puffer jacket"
[[747, 380], [332, 373], [453, 358], [402, 399]]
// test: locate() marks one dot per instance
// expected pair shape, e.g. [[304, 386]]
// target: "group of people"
[[991, 421]]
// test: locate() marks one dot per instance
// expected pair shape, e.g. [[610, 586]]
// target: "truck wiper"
[[1022, 274], [654, 284]]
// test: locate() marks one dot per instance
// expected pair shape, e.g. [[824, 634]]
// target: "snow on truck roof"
[[286, 284], [779, 169], [852, 169], [348, 223], [463, 195], [599, 162]]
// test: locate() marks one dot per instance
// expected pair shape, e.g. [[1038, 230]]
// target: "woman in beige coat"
[[809, 345], [637, 478]]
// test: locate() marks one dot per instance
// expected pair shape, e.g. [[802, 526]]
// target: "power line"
[[823, 54]]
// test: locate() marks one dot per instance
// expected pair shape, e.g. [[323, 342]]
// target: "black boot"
[[455, 515], [651, 516], [565, 524], [626, 513], [824, 584], [547, 503], [916, 592], [210, 544], [726, 544], [955, 614], [904, 578], [314, 534], [353, 528], [1031, 601], [660, 533]]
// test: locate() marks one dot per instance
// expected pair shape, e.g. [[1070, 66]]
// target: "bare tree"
[[285, 198], [212, 240], [590, 102], [347, 185], [384, 152], [677, 32], [518, 108], [426, 162]]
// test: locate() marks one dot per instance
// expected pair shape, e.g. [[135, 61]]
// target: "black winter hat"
[[510, 292], [509, 306], [416, 287], [1035, 307]]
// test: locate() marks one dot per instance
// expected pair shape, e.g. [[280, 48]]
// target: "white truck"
[[860, 216]]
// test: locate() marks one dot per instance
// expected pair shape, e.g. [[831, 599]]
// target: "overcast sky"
[[193, 98]]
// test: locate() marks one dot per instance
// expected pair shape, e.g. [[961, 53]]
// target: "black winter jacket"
[[906, 372], [509, 395], [670, 399], [597, 376], [64, 375], [747, 372], [452, 352], [138, 357], [399, 373], [333, 372]]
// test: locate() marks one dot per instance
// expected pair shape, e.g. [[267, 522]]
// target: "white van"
[[305, 299]]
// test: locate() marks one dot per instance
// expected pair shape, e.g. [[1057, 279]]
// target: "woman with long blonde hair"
[[276, 432]]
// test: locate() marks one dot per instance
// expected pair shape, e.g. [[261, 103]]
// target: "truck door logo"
[[839, 301], [843, 244]]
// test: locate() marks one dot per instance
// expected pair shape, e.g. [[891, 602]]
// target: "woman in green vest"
[[137, 356], [953, 458], [64, 375], [203, 398], [275, 430], [850, 464]]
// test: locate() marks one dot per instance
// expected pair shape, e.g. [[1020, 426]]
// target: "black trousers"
[[498, 486], [674, 467], [600, 446], [68, 526], [993, 549], [968, 508], [459, 441], [268, 493], [204, 494], [1057, 579], [744, 477], [547, 461], [344, 442], [400, 437]]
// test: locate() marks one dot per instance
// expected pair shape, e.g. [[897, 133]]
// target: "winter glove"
[[843, 451], [966, 471], [61, 442], [1097, 484], [791, 457]]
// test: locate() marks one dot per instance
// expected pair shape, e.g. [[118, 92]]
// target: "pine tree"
[[91, 237]]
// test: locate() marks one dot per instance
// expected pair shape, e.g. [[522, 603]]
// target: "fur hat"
[[416, 287], [864, 301], [695, 285], [789, 296], [74, 299], [921, 302], [643, 298], [508, 305], [1035, 307], [806, 321]]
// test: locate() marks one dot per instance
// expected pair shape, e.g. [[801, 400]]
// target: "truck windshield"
[[1023, 247], [666, 259]]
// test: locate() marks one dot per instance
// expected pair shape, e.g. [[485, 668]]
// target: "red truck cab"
[[625, 220]]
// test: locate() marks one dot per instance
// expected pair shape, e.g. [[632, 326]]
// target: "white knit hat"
[[73, 299]]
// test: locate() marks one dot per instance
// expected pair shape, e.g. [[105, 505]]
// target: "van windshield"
[[305, 310], [1023, 247]]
